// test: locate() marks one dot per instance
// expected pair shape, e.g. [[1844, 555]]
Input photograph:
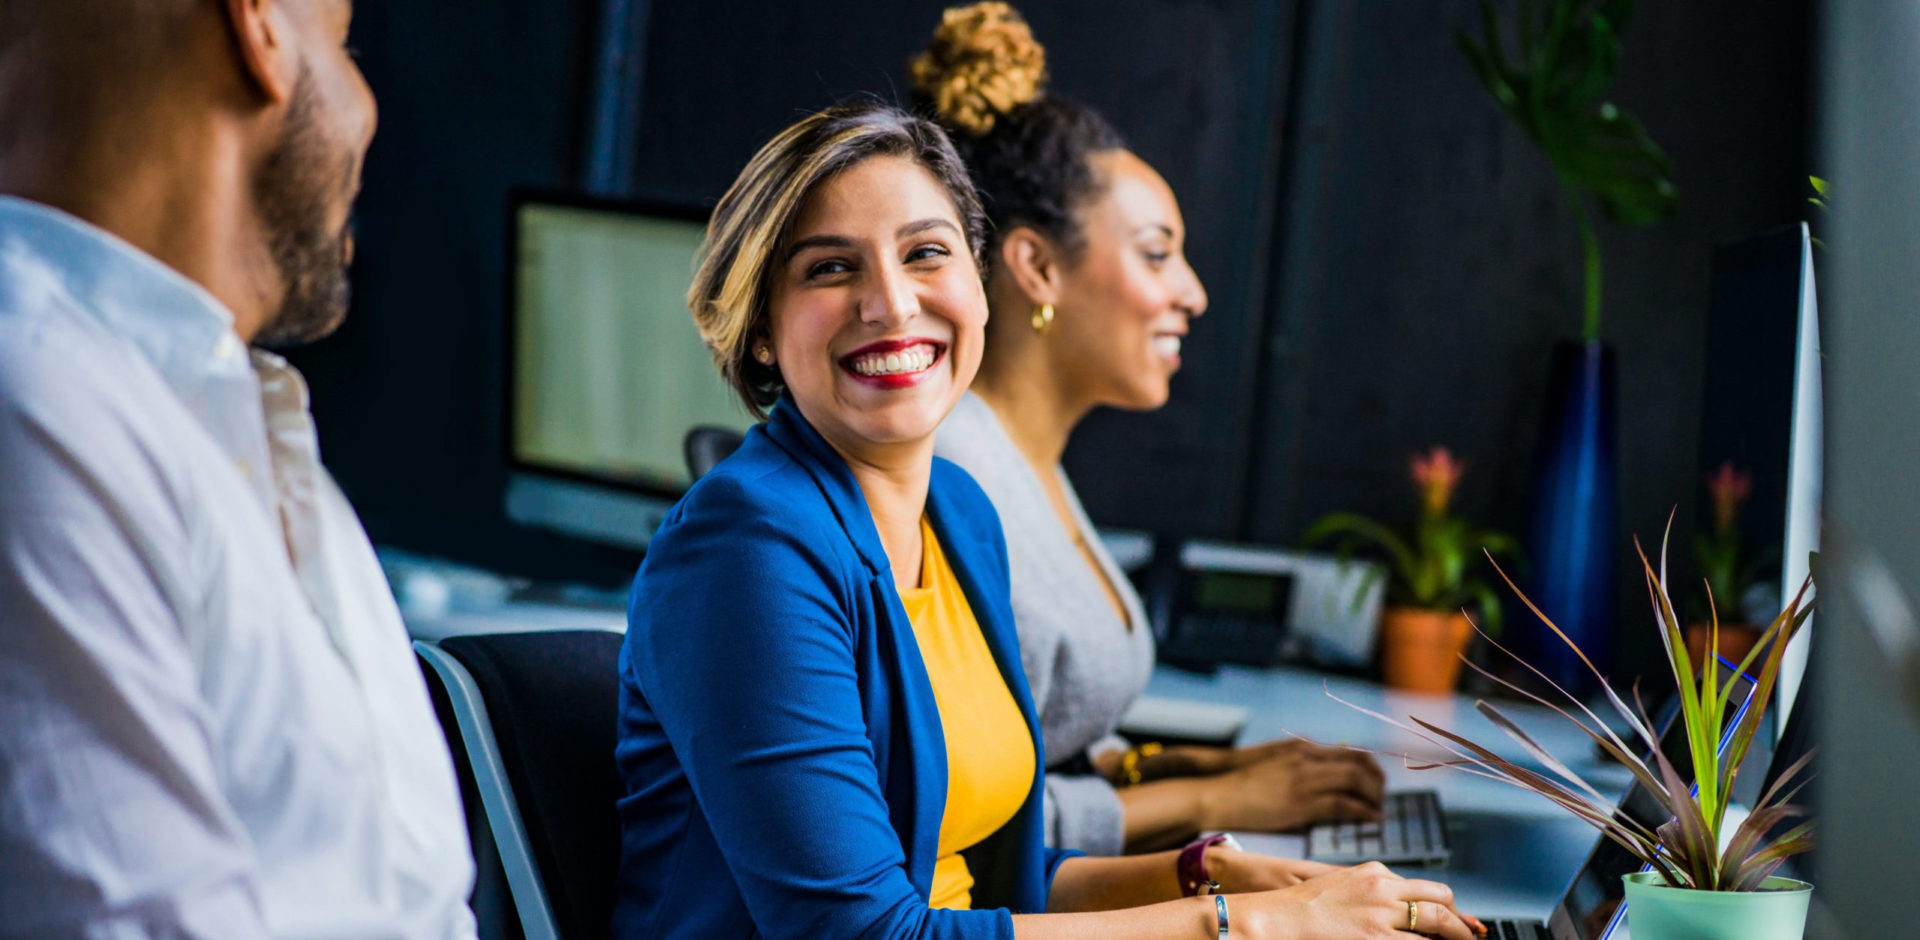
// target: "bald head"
[[89, 52], [223, 137], [49, 18]]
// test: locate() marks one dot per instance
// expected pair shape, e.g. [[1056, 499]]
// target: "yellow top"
[[989, 747]]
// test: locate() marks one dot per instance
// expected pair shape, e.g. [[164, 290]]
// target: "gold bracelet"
[[1130, 761]]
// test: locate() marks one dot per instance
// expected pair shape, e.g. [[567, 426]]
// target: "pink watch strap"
[[1192, 866]]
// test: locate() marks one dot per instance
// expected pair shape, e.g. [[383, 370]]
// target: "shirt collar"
[[175, 323]]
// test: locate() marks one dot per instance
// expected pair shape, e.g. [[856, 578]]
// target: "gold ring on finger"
[[1413, 915]]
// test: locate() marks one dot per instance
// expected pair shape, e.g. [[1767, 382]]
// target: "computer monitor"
[[1761, 416], [606, 372]]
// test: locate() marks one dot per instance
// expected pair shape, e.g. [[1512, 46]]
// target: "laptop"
[[1592, 908]]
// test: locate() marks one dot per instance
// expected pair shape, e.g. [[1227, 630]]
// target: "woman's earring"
[[1042, 318], [763, 353]]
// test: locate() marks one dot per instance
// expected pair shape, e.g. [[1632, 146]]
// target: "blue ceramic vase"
[[1575, 508]]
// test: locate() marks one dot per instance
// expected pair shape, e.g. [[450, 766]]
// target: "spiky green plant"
[[1821, 200], [1685, 850], [1553, 83]]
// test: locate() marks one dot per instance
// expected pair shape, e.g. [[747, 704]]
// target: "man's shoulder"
[[50, 356], [81, 408]]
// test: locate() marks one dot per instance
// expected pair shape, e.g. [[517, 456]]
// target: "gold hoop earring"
[[1042, 318]]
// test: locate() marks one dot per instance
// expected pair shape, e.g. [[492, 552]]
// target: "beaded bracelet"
[[1130, 761]]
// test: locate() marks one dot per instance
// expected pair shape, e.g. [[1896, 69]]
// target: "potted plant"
[[1727, 570], [1423, 631], [1693, 888], [1549, 68]]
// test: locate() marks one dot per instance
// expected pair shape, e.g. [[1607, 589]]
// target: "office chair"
[[707, 445], [535, 717]]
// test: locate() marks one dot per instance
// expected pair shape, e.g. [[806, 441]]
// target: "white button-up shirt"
[[211, 722]]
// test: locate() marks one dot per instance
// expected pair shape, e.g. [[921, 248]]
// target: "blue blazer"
[[784, 766]]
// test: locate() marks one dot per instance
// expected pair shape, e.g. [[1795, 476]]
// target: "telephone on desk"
[[1212, 603]]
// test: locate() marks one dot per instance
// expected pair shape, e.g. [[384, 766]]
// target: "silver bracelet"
[[1220, 912]]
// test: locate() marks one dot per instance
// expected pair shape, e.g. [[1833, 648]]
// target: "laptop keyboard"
[[1411, 831], [1516, 930]]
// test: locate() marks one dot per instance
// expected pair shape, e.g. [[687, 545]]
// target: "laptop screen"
[[1590, 909]]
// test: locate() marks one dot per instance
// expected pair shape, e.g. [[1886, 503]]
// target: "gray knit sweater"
[[1085, 665]]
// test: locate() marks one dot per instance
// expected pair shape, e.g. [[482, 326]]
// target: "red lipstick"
[[893, 363]]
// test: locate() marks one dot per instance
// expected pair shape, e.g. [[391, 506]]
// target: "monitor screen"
[[609, 372], [1760, 441], [1748, 421]]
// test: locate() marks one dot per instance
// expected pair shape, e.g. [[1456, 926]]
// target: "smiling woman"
[[824, 729], [876, 315], [754, 239]]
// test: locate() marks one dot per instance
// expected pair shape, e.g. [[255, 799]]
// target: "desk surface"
[[1513, 851]]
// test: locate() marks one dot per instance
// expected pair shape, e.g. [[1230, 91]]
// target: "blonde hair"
[[982, 63], [751, 225]]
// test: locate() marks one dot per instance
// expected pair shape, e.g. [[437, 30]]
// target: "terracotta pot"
[[1420, 649], [1736, 640]]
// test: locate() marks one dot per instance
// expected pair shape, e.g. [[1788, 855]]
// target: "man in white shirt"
[[211, 724]]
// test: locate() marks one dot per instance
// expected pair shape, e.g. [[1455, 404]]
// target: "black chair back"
[[707, 445], [553, 700]]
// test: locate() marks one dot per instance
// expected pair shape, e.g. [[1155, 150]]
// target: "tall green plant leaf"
[[1554, 90]]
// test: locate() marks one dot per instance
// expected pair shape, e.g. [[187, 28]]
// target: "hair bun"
[[982, 63]]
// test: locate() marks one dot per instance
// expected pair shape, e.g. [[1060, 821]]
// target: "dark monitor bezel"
[[518, 199]]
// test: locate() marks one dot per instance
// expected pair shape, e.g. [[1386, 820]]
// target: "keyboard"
[[1411, 831], [1517, 930]]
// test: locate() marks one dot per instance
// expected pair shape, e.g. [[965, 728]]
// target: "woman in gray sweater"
[[1090, 297]]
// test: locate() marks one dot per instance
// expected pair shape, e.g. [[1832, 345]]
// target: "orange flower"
[[1729, 487], [1437, 474]]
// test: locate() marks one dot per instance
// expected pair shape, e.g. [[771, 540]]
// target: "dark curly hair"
[[982, 76]]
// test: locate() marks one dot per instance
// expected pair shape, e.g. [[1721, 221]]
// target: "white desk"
[[516, 617], [1513, 851]]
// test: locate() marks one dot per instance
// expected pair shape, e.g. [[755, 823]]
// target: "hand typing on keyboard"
[[1238, 871], [1366, 901], [1288, 785]]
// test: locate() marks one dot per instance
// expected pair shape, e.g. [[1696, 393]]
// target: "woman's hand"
[[1240, 757], [1292, 784], [1239, 872], [1366, 902]]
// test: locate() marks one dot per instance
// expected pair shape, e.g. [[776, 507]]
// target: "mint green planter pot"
[[1656, 912]]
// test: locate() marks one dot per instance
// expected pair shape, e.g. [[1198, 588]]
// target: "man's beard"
[[295, 188]]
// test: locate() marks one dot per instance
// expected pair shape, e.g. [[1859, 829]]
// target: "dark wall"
[[1388, 259], [1429, 263]]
